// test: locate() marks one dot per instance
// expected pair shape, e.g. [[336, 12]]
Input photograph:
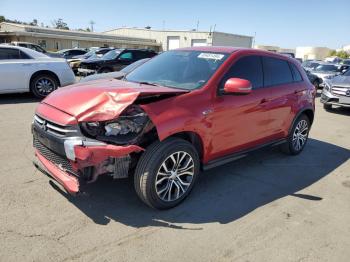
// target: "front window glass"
[[113, 54], [347, 73], [179, 69]]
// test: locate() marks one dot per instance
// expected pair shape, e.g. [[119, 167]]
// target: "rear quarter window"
[[276, 71], [296, 74]]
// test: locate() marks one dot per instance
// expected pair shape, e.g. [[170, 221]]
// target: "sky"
[[285, 23]]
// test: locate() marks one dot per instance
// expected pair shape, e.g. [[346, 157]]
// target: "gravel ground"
[[266, 207]]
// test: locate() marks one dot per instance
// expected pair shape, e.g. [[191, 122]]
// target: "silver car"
[[336, 91], [327, 71]]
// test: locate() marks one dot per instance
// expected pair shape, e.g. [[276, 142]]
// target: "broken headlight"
[[125, 129]]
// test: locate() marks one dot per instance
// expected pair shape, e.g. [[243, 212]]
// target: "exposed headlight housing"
[[125, 129]]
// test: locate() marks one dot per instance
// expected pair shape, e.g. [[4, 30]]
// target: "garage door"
[[173, 42], [199, 42]]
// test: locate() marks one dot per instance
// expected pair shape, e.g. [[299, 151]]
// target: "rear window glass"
[[276, 71]]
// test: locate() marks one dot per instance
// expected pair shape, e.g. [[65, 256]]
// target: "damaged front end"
[[86, 130], [77, 154]]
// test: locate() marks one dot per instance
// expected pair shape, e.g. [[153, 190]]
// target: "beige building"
[[312, 53], [55, 39], [275, 49], [172, 39]]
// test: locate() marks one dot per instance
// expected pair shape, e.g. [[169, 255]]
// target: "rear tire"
[[166, 173], [42, 85], [298, 136]]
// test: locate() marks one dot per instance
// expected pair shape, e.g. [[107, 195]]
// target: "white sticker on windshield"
[[211, 56]]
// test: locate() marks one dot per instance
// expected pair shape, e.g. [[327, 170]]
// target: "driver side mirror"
[[237, 86]]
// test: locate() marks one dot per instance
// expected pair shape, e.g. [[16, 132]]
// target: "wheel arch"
[[194, 139], [43, 72], [308, 111]]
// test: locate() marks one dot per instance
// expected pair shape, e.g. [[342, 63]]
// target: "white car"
[[23, 70]]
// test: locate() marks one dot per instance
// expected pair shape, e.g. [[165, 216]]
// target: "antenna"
[[92, 25], [197, 25]]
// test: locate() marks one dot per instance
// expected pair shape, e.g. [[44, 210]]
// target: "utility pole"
[[197, 25], [92, 25]]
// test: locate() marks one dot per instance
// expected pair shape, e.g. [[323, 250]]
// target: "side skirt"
[[239, 155]]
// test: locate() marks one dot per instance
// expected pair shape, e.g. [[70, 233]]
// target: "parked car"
[[336, 91], [35, 47], [114, 60], [70, 53], [116, 75], [310, 65], [23, 70], [182, 111], [333, 59], [327, 71], [75, 61], [313, 79], [346, 62]]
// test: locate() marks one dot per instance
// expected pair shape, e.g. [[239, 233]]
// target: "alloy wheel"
[[300, 135], [44, 86], [174, 176]]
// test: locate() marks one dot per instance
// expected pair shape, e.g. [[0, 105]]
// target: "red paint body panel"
[[101, 100], [70, 183], [53, 114]]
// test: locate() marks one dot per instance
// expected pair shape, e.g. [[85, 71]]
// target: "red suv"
[[181, 112]]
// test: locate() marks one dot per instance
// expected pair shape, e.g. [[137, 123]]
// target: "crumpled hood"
[[101, 100], [324, 73], [341, 80]]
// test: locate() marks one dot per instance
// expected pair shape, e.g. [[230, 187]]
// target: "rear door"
[[123, 60], [241, 121], [278, 77], [15, 67]]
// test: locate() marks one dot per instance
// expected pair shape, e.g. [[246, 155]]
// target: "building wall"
[[224, 39], [186, 37], [308, 52], [162, 36]]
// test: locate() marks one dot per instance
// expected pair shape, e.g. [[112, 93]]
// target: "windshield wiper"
[[147, 83]]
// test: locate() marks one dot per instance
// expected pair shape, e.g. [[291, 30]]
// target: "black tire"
[[46, 89], [291, 146], [149, 166], [316, 84], [327, 107]]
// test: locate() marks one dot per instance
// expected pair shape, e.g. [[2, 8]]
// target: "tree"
[[34, 22], [332, 53], [342, 54], [60, 24], [2, 18]]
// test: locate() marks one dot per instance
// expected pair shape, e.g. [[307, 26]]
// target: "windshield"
[[113, 54], [327, 68], [180, 69]]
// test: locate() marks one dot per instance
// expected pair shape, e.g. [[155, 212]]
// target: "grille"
[[339, 90], [62, 162], [54, 128]]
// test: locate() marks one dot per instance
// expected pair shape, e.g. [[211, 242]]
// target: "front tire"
[[298, 136], [166, 173], [42, 85]]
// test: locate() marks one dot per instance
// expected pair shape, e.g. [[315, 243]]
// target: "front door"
[[241, 121]]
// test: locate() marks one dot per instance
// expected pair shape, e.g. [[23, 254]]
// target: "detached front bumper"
[[67, 159]]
